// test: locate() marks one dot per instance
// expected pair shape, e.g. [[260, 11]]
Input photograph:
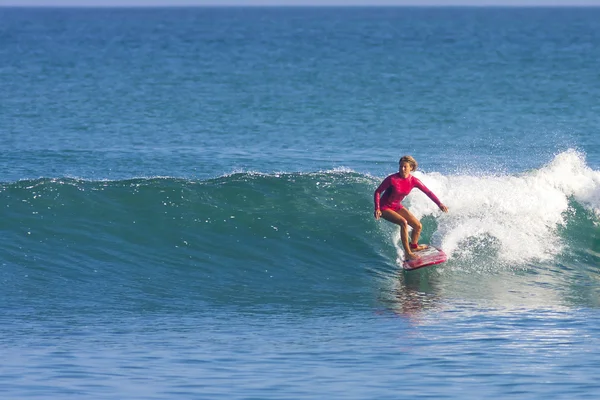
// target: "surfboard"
[[429, 256]]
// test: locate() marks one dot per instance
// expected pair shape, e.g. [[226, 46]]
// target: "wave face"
[[291, 238]]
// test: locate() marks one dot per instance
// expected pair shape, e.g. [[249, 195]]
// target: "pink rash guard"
[[396, 189]]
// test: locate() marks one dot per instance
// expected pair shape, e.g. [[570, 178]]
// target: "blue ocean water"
[[186, 200]]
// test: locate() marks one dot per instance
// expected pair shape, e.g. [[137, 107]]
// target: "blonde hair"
[[411, 161]]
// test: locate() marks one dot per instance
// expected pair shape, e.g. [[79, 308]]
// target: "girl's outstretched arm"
[[430, 194]]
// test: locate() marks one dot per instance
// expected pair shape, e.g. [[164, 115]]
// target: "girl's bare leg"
[[416, 226], [397, 219]]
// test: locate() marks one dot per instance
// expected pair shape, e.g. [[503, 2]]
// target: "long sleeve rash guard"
[[395, 189]]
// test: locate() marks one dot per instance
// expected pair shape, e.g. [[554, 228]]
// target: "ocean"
[[187, 203]]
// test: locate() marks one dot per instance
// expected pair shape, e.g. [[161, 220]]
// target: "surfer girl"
[[389, 206]]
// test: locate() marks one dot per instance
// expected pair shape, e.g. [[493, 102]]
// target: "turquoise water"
[[187, 203]]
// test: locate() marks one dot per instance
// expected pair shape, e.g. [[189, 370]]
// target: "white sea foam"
[[514, 216]]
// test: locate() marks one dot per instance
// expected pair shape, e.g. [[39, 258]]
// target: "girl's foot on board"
[[418, 247], [411, 256]]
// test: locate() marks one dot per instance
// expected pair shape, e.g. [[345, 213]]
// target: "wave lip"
[[511, 219]]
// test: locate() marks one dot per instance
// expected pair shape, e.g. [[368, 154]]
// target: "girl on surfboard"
[[389, 206]]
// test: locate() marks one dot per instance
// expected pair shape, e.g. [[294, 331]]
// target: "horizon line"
[[300, 6]]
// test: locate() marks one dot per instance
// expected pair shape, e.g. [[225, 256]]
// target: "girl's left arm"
[[430, 194]]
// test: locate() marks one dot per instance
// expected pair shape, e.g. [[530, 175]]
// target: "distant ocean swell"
[[251, 237]]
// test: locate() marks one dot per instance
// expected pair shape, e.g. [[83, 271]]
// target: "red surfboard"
[[429, 256]]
